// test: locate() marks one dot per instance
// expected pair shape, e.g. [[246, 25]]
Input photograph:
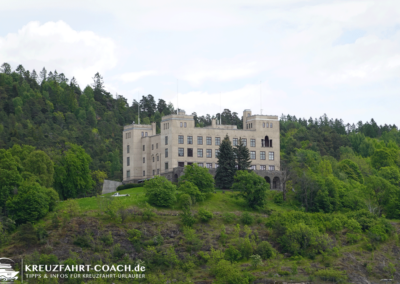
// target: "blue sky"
[[338, 57]]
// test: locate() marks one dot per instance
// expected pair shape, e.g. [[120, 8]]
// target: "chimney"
[[213, 123], [153, 128]]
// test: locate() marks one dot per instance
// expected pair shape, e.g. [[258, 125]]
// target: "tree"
[[30, 204], [72, 173], [391, 174], [351, 170], [40, 164], [162, 106], [232, 254], [242, 156], [160, 191], [189, 188], [9, 176], [226, 165], [43, 75], [20, 70], [252, 187], [200, 177], [6, 68], [34, 75], [381, 158]]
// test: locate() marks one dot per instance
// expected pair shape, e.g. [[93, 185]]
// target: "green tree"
[[252, 187], [200, 177], [391, 174], [265, 250], [160, 191], [72, 173], [192, 190], [351, 170], [242, 156], [224, 176], [9, 176], [232, 254], [381, 158], [40, 164]]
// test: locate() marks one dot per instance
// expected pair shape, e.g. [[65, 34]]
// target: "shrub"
[[160, 191], [252, 187], [247, 218], [265, 250], [148, 212], [185, 201], [82, 241], [255, 261], [331, 274], [204, 215], [192, 190], [129, 185], [200, 177], [107, 239], [187, 218], [134, 235], [245, 247], [118, 252], [278, 198], [352, 238], [232, 254], [27, 234], [228, 217]]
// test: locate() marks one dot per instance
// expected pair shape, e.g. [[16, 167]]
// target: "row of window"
[[265, 125], [166, 125], [207, 165], [183, 124]]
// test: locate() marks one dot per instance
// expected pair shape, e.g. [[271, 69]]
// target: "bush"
[[278, 198], [265, 250], [118, 252], [331, 274], [107, 239], [187, 218], [247, 218], [134, 235], [129, 185], [160, 191], [228, 217], [191, 189], [27, 234], [185, 201], [200, 177], [252, 187], [204, 215], [82, 241], [148, 212]]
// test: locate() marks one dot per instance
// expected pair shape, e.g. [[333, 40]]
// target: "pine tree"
[[43, 75], [34, 75], [242, 156], [226, 165], [5, 68]]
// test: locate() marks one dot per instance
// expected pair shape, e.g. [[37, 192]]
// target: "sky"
[[298, 57]]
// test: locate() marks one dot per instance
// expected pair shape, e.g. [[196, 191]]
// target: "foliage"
[[107, 238], [331, 274], [187, 218], [224, 176], [40, 164], [247, 218], [265, 250], [160, 191], [185, 201], [204, 215], [198, 176], [148, 212], [232, 254], [351, 170], [27, 234], [255, 261], [242, 156], [252, 187], [192, 190], [228, 217], [129, 185]]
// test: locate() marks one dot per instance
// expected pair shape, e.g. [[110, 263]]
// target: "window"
[[236, 167], [190, 152], [157, 158], [166, 140], [190, 139], [264, 124], [128, 174], [158, 171], [127, 149], [152, 146], [154, 172], [156, 145], [244, 141], [200, 164], [253, 155], [216, 153], [252, 142], [217, 141], [235, 141], [181, 164], [153, 159], [263, 168], [166, 166], [142, 133], [185, 124], [209, 165], [271, 156], [272, 168], [144, 147], [262, 155], [144, 160], [209, 153], [253, 167], [270, 125], [145, 134], [216, 166], [267, 125], [209, 141], [199, 140], [200, 153], [180, 139], [248, 114], [181, 124], [166, 153], [270, 143], [128, 135], [181, 152], [144, 173]]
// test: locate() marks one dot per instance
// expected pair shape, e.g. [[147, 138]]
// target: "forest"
[[337, 218]]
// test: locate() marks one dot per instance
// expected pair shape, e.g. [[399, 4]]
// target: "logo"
[[6, 271]]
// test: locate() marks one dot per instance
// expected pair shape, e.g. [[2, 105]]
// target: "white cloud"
[[134, 76], [55, 45]]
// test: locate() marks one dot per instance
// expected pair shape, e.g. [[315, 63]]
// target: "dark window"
[[152, 146], [265, 142], [166, 153], [153, 159], [154, 172], [127, 149], [270, 143], [253, 155], [158, 171], [166, 166], [270, 125], [143, 147], [190, 152], [145, 134], [157, 158], [156, 145], [217, 141], [190, 139], [144, 173], [181, 152], [185, 124], [209, 153], [128, 174], [180, 139], [144, 160], [127, 161], [166, 140], [181, 124], [181, 164], [200, 153], [209, 141], [199, 140]]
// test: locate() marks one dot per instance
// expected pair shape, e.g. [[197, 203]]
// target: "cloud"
[[134, 76], [55, 45]]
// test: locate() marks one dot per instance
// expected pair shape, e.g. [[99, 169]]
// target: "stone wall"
[[110, 186]]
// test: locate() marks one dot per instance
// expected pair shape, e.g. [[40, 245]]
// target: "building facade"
[[147, 154]]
